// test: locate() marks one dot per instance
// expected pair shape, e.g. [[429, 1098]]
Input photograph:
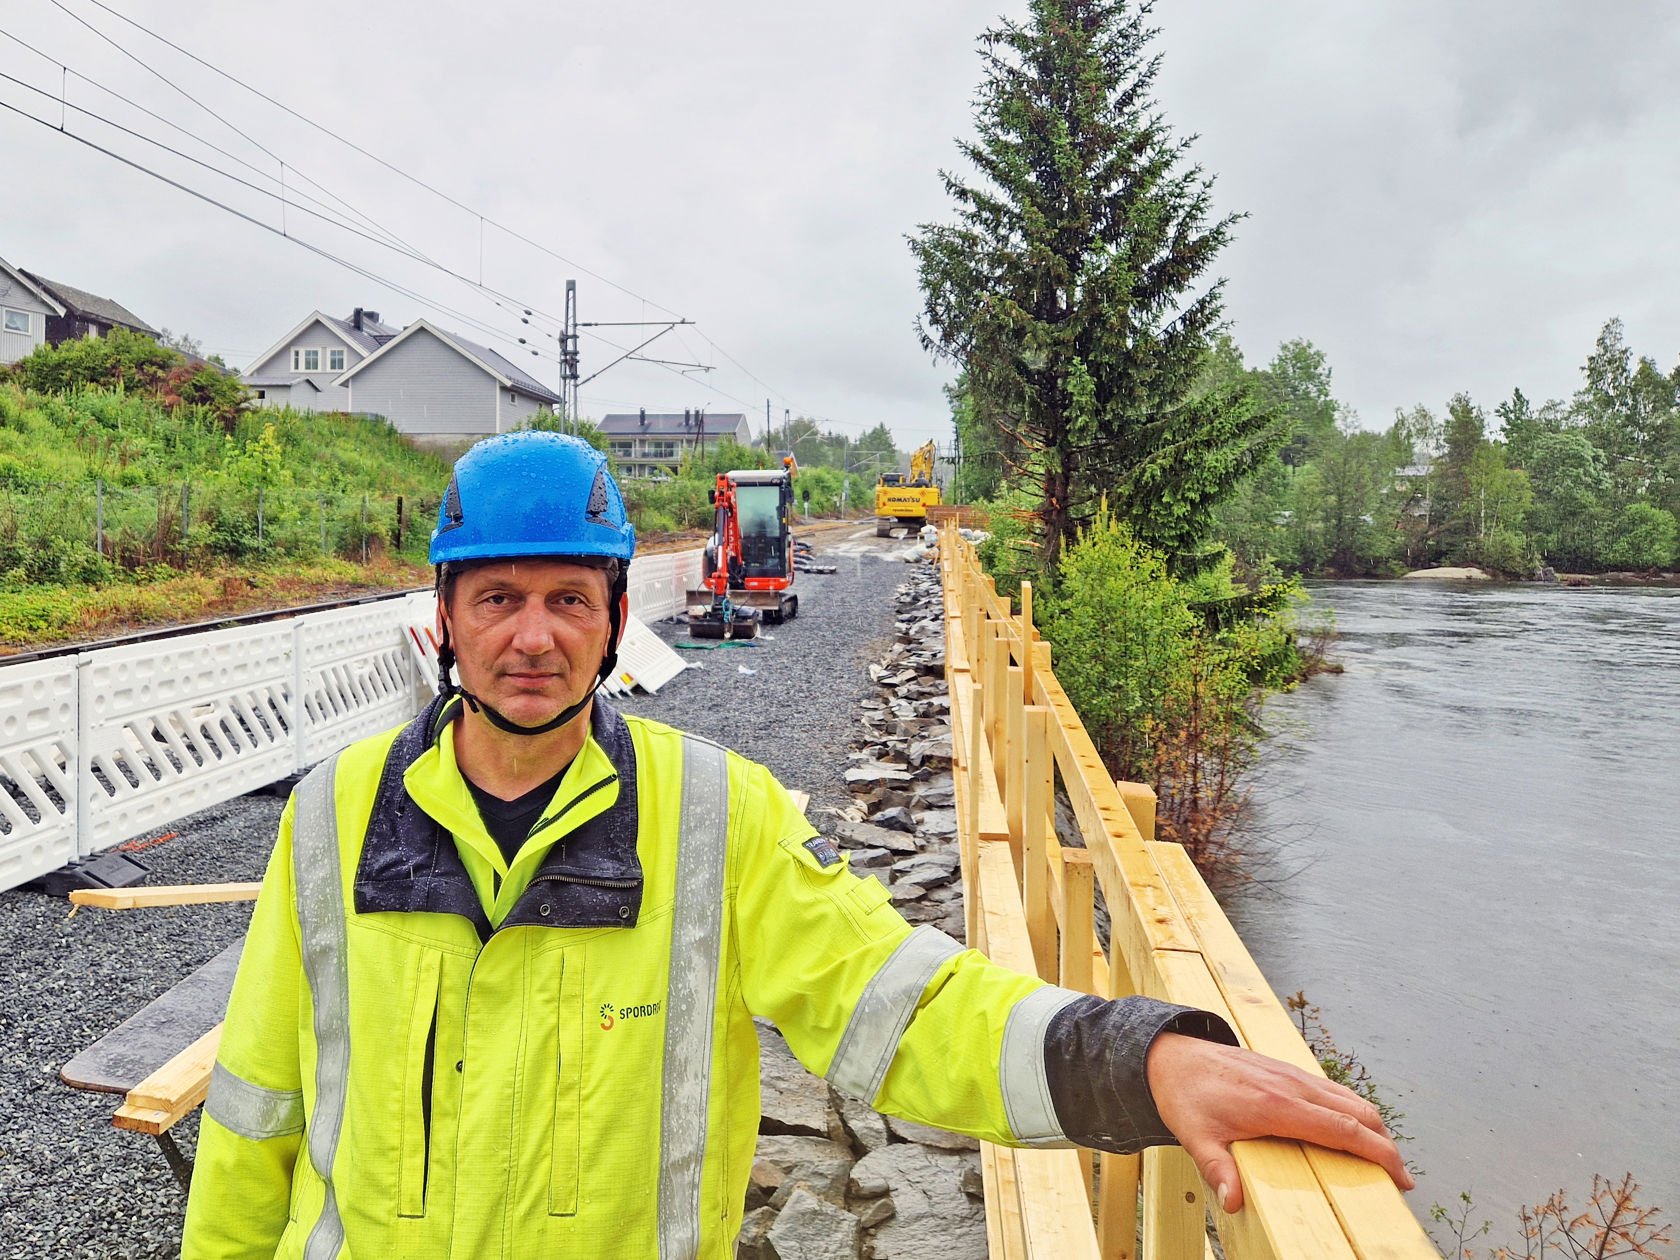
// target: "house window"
[[306, 360], [621, 450], [659, 450], [17, 321], [335, 360]]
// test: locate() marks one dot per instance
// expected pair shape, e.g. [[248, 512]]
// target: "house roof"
[[677, 424], [91, 306], [23, 278], [369, 337], [340, 328], [484, 357]]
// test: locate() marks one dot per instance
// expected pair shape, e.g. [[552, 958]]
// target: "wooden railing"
[[1029, 902]]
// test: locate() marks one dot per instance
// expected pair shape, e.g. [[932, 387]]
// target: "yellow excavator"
[[904, 500]]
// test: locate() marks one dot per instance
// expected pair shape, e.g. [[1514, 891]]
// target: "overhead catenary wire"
[[385, 237], [429, 187]]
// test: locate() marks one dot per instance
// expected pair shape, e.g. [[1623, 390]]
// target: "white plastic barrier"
[[103, 746], [659, 584]]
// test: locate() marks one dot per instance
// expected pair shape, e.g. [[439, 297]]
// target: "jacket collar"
[[409, 860]]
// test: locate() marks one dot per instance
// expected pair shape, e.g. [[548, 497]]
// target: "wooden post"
[[1027, 636], [1036, 765], [1117, 1207], [1078, 922], [1174, 1214], [1140, 804], [1012, 781], [969, 828]]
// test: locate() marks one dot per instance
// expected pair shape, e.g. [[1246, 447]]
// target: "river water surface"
[[1482, 821]]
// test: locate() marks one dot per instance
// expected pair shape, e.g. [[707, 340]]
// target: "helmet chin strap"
[[447, 685]]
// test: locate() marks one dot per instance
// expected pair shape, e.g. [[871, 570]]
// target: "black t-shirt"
[[510, 822]]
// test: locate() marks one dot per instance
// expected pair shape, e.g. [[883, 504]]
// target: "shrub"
[[1642, 538]]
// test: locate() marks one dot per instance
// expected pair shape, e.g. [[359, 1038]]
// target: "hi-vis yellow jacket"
[[431, 1057]]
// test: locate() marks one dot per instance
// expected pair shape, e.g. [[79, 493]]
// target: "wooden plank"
[[1373, 1213], [149, 1038], [162, 895], [1078, 927], [1006, 1236], [1035, 769], [1054, 1206], [173, 1090], [1174, 1212], [1140, 804], [1117, 1205], [802, 800], [1012, 780]]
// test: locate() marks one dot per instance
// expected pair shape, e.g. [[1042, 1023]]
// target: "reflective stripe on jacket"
[[399, 1079]]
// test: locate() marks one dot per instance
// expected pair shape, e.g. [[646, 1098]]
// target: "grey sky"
[[1441, 196]]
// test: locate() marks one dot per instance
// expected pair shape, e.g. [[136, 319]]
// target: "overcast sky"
[[1442, 196]]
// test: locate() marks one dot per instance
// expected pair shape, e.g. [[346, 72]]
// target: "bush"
[[1643, 537], [120, 360]]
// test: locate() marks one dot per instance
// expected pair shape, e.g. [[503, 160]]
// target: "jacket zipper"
[[568, 806], [426, 1106], [580, 879]]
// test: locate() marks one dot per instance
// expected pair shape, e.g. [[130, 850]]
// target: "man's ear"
[[623, 619]]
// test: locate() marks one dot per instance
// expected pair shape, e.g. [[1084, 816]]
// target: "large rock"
[[864, 1125], [793, 1101], [753, 1242], [930, 870], [898, 818], [936, 824], [863, 835], [783, 1153], [933, 1218], [809, 1229], [827, 1179], [930, 752], [927, 1135], [875, 774]]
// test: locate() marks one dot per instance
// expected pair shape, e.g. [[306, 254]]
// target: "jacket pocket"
[[568, 1088], [414, 1156]]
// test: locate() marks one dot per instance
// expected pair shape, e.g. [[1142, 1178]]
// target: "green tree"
[[979, 451], [1074, 284], [1571, 499], [1354, 475], [1297, 385], [1642, 537]]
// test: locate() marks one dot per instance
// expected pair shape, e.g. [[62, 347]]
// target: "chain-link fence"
[[80, 532]]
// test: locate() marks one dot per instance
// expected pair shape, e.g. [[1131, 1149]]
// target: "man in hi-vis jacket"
[[497, 996]]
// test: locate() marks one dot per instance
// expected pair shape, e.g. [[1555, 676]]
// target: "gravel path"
[[73, 1186]]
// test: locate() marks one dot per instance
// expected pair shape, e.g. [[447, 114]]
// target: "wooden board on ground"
[[169, 1093], [162, 895], [150, 1038]]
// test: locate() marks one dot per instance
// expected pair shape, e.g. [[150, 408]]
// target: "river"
[[1479, 830]]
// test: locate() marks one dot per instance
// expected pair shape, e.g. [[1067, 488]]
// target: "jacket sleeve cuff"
[[1095, 1055]]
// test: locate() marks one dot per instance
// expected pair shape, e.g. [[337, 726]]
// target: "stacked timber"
[[833, 1179]]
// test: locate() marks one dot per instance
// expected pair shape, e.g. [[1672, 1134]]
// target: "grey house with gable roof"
[[300, 369], [437, 386], [430, 383]]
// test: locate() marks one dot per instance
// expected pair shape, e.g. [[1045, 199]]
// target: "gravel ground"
[[73, 1186]]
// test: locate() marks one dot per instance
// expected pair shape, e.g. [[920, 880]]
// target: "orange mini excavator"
[[747, 568]]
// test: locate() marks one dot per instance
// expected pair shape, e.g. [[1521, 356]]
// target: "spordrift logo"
[[611, 1014]]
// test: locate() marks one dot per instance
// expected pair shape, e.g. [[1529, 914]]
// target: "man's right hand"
[[1211, 1095]]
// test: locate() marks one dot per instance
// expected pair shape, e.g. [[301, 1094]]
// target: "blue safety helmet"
[[532, 493]]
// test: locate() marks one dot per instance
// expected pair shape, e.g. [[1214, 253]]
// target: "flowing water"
[[1480, 832]]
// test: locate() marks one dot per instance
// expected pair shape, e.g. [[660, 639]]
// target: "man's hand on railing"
[[1211, 1095]]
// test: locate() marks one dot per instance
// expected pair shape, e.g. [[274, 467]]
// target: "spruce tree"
[[1074, 288]]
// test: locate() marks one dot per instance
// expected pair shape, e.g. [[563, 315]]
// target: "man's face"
[[529, 634]]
